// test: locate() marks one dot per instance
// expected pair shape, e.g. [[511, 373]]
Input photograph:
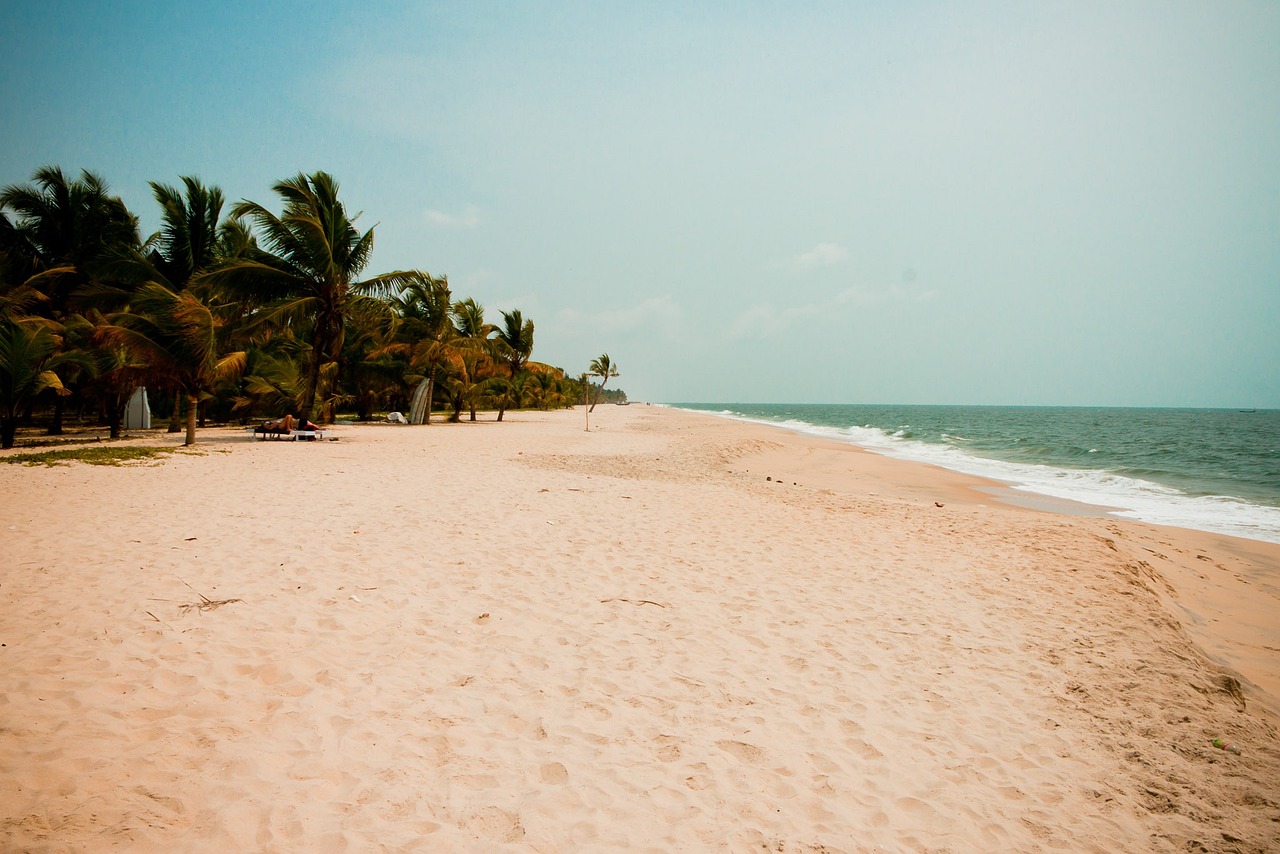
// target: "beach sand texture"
[[527, 637]]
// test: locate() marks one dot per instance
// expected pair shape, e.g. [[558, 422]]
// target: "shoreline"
[[523, 636], [1209, 608], [1017, 491]]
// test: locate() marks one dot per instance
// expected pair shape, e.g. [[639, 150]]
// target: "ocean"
[[1207, 469]]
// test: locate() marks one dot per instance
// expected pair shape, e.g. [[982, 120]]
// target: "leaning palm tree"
[[512, 345], [604, 368], [176, 334], [308, 273]]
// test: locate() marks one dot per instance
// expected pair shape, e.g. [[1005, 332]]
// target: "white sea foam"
[[1124, 497]]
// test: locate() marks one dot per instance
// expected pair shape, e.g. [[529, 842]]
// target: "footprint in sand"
[[554, 773], [860, 747], [476, 782], [743, 751], [698, 780], [496, 824], [669, 753]]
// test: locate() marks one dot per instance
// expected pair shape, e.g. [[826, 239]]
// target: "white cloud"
[[894, 293], [763, 321], [660, 312], [823, 255], [469, 218], [756, 322]]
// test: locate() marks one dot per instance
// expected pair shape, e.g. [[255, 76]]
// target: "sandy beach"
[[671, 633]]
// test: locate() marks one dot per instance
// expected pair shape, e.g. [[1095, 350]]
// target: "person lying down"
[[288, 423]]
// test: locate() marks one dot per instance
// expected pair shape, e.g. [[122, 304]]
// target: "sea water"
[[1207, 469]]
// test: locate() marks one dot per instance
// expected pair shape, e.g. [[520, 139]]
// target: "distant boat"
[[1248, 410], [623, 403]]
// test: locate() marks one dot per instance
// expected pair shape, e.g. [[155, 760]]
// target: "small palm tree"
[[425, 332], [274, 382], [604, 368], [28, 361], [475, 344], [176, 334], [508, 392]]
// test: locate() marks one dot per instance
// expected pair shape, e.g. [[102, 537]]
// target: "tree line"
[[230, 316]]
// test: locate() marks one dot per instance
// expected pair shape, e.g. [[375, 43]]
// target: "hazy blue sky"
[[1040, 203]]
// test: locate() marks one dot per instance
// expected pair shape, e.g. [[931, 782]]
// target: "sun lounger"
[[263, 432]]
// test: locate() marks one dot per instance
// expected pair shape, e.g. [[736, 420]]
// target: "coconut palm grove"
[[233, 313]]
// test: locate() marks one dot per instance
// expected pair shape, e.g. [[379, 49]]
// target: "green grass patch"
[[94, 456]]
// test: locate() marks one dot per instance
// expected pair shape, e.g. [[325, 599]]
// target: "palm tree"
[[18, 263], [115, 370], [308, 273], [508, 392], [190, 230], [67, 226], [425, 332], [515, 341], [475, 345], [28, 359], [191, 240], [514, 345], [604, 368], [544, 387], [177, 335], [371, 375], [64, 230], [274, 380]]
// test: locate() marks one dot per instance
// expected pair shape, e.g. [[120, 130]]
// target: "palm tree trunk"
[[319, 347], [193, 403], [175, 416], [8, 429], [115, 413], [55, 426]]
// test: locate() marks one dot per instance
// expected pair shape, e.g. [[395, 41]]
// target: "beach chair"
[[264, 431], [284, 429]]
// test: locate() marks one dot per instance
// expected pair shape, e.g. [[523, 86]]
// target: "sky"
[[1071, 203]]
